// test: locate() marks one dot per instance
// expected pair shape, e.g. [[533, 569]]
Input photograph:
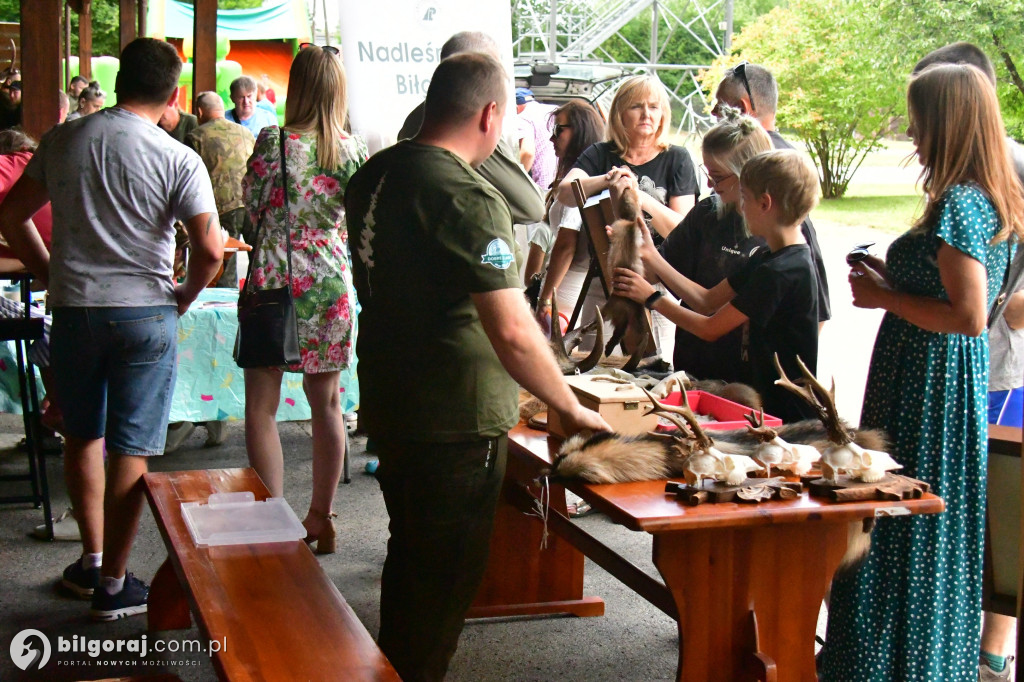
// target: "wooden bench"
[[277, 613]]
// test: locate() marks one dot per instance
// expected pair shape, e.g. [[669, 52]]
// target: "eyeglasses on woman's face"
[[330, 49], [715, 179], [559, 127]]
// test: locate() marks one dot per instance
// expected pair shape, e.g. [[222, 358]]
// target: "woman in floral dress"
[[320, 159], [913, 610]]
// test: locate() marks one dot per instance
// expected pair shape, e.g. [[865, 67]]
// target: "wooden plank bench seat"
[[278, 614]]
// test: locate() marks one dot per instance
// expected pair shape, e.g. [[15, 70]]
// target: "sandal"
[[581, 508]]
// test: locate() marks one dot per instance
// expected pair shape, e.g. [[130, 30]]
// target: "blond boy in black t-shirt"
[[775, 291]]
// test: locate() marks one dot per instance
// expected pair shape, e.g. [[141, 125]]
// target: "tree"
[[993, 25], [838, 92]]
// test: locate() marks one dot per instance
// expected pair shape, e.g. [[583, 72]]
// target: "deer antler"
[[704, 441], [820, 398], [558, 345], [757, 427]]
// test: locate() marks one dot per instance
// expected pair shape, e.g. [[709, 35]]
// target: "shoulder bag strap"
[[259, 229], [287, 216]]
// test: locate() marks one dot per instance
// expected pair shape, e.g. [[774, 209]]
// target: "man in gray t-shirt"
[[116, 183]]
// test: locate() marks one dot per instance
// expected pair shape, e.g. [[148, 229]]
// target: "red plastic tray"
[[728, 415]]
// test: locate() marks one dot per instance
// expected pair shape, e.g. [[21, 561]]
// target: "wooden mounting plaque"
[[847, 489]]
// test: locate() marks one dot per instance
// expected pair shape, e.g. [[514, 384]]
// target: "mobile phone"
[[859, 253]]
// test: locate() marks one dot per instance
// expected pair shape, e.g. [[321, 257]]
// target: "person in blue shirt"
[[246, 113]]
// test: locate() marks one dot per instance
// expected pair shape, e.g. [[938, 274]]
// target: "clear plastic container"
[[238, 519]]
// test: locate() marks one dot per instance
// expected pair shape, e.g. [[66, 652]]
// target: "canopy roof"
[[276, 19]]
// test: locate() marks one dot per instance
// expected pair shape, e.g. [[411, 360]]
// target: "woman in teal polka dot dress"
[[913, 610]]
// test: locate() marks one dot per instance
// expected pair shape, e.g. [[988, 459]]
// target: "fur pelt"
[[614, 458]]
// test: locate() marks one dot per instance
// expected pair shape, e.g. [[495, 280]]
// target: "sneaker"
[[130, 601], [65, 528], [987, 674], [215, 433], [82, 581], [177, 434]]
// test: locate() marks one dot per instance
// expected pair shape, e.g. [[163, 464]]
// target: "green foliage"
[[10, 10], [992, 25], [838, 94]]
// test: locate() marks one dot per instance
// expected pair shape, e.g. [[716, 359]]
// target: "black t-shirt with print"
[[707, 249], [777, 291], [669, 174]]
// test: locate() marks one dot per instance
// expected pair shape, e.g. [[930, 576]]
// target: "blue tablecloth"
[[210, 386]]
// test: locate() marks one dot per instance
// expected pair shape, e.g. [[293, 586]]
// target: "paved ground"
[[632, 642]]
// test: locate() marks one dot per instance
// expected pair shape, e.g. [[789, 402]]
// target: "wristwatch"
[[652, 299]]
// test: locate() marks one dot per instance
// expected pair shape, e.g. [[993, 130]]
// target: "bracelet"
[[652, 299]]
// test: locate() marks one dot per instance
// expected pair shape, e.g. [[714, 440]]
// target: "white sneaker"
[[215, 433], [65, 528], [987, 674], [177, 434]]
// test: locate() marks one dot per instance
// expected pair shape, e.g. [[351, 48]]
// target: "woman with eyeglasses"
[[320, 158], [712, 242], [578, 125]]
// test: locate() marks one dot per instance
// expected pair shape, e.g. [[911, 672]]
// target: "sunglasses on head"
[[330, 49], [740, 71]]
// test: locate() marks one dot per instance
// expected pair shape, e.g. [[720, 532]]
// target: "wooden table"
[[745, 582], [278, 614]]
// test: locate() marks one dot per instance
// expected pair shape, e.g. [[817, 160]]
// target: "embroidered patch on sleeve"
[[498, 254]]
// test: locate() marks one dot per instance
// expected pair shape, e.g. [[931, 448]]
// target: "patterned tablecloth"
[[210, 386]]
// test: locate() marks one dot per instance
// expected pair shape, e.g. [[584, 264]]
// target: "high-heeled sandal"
[[326, 540]]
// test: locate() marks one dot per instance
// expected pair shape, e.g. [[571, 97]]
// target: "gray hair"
[[208, 100], [763, 88], [243, 85], [14, 140], [470, 41]]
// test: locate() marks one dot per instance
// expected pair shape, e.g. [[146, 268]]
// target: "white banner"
[[391, 48]]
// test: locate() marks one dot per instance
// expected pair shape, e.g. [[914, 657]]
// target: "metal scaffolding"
[[576, 31]]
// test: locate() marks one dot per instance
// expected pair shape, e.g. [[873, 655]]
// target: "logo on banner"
[[426, 10], [30, 649], [498, 254]]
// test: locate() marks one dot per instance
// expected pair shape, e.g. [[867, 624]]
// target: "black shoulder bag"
[[268, 335]]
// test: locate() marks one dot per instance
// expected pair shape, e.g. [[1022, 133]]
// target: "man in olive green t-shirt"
[[444, 336]]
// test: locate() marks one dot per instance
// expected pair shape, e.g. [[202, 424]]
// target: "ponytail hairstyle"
[[733, 141]]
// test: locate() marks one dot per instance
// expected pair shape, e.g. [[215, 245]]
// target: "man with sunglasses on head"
[[752, 89]]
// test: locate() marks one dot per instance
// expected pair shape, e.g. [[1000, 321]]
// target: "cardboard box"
[[727, 414], [623, 406]]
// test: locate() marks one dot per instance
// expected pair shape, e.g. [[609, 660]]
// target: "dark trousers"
[[441, 499]]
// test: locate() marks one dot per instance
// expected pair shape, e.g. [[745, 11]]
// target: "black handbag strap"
[[259, 227], [1011, 280]]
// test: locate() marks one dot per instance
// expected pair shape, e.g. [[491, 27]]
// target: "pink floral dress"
[[321, 277]]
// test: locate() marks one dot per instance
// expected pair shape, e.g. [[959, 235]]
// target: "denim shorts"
[[114, 371]]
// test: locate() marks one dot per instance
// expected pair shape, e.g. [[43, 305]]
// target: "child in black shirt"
[[776, 290]]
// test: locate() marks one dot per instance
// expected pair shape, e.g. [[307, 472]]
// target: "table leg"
[[168, 603], [523, 579], [749, 598]]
